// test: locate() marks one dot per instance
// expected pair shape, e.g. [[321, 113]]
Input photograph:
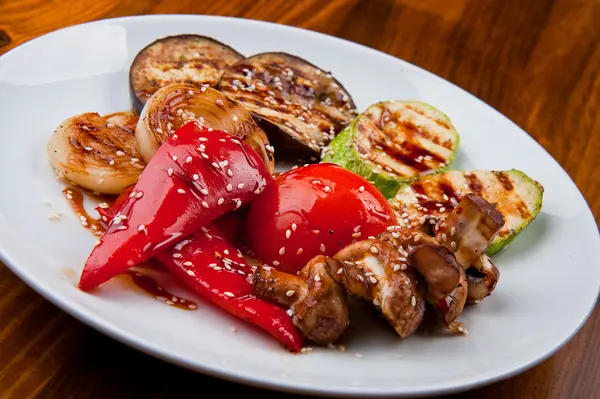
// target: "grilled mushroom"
[[482, 278], [317, 301], [469, 228], [468, 231], [372, 269], [300, 106], [446, 280]]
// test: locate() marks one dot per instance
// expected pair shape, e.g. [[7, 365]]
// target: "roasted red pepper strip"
[[196, 176], [216, 270]]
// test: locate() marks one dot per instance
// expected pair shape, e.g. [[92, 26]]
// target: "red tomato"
[[314, 210]]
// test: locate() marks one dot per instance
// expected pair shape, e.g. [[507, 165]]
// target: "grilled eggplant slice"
[[189, 59], [430, 199], [300, 107], [172, 106], [393, 142]]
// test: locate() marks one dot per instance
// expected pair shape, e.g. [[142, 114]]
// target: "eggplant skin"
[[188, 58], [300, 106]]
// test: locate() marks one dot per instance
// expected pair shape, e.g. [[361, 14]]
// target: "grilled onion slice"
[[300, 107], [178, 59], [172, 106], [94, 153]]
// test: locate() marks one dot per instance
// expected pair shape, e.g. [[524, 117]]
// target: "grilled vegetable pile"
[[380, 217]]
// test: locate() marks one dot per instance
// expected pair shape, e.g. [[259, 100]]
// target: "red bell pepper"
[[203, 251], [216, 270], [195, 177]]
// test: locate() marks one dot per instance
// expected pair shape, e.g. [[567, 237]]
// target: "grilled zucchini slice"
[[192, 59], [393, 142], [300, 106], [429, 199]]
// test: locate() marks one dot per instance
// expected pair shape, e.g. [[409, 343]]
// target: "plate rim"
[[139, 343]]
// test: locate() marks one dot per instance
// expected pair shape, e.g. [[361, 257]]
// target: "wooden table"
[[536, 61]]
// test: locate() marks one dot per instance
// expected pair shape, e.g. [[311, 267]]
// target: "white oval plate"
[[550, 274]]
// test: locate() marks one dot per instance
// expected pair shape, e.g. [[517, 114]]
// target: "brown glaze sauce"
[[75, 197], [151, 287], [145, 283]]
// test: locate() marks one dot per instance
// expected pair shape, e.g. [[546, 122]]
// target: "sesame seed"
[[187, 263], [192, 306], [220, 201], [54, 216], [361, 278], [361, 188], [444, 237], [452, 231], [290, 313], [417, 238], [275, 263], [220, 102], [357, 228], [141, 227], [281, 250], [170, 171], [356, 235], [294, 226], [223, 163], [404, 266], [204, 155], [190, 272], [327, 189], [229, 294], [374, 250], [396, 267], [317, 278], [120, 153], [453, 245], [413, 301], [88, 148], [300, 250], [139, 195], [229, 187], [181, 191], [240, 186], [288, 233], [111, 162], [322, 247], [373, 280], [188, 159], [195, 177], [229, 173], [174, 158], [442, 209], [290, 293], [205, 204]]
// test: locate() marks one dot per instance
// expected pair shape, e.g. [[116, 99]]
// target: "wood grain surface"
[[536, 61]]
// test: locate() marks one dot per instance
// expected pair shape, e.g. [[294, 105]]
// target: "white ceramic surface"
[[550, 274]]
